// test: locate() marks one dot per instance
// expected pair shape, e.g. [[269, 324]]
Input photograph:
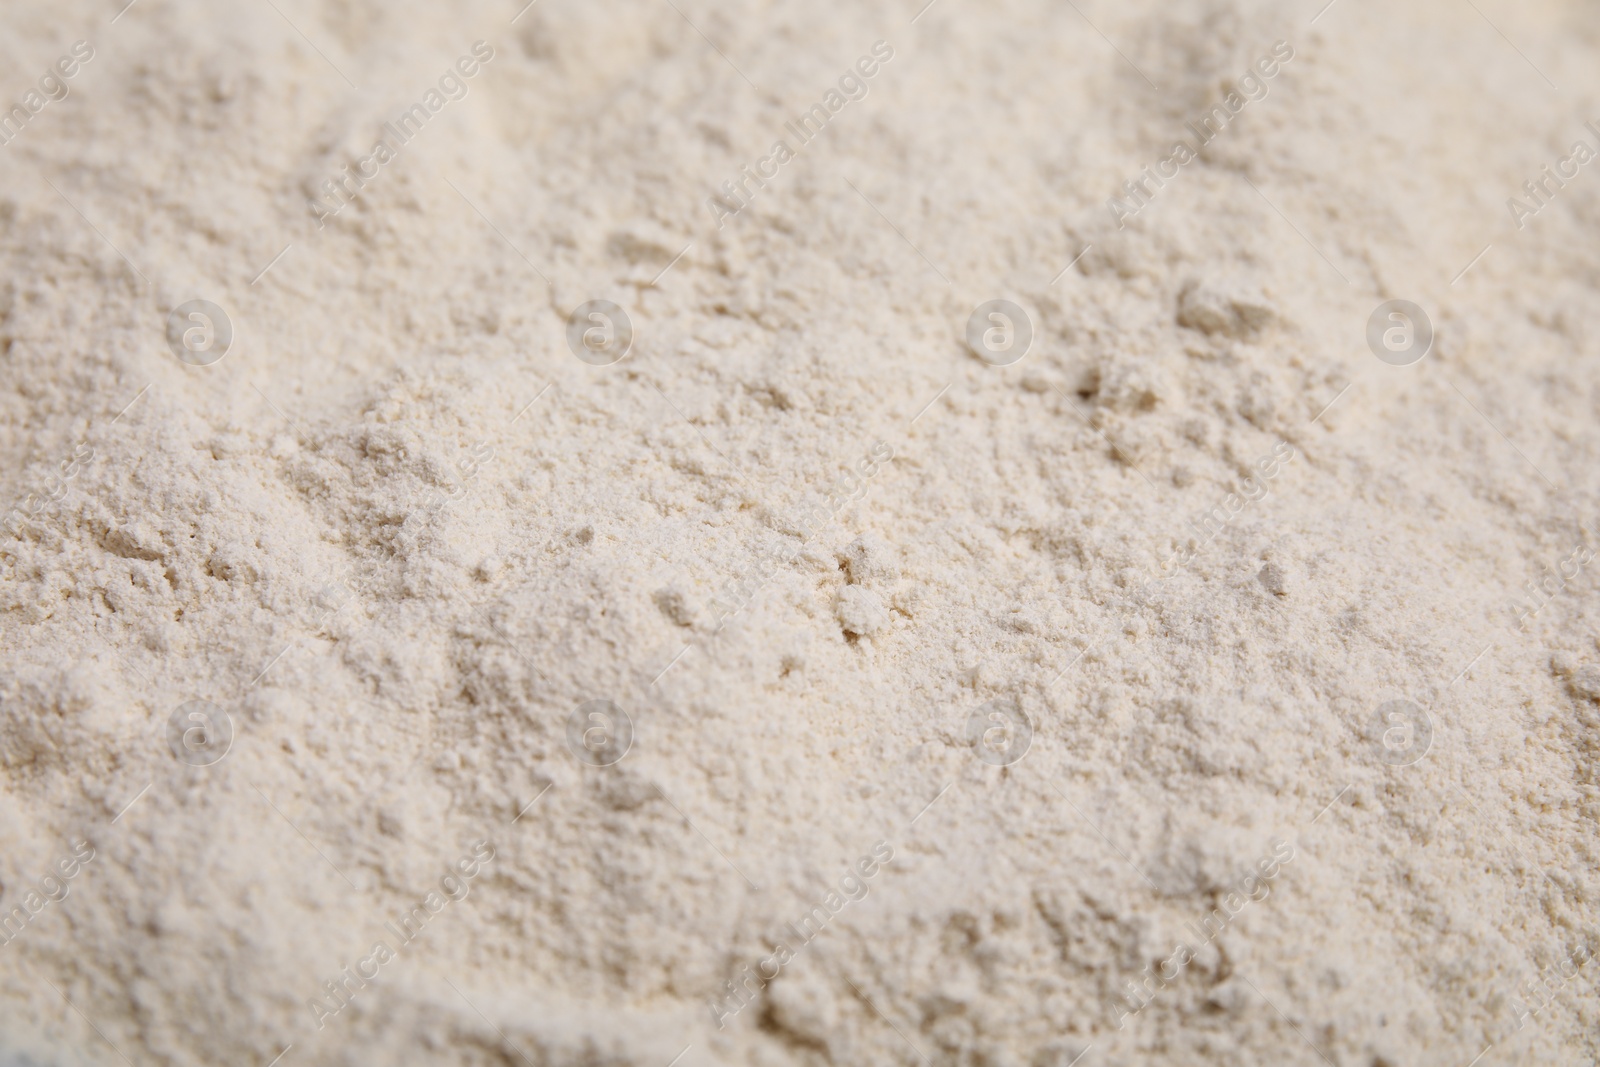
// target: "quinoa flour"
[[1084, 556]]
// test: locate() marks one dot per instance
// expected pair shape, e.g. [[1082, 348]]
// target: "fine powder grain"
[[786, 534]]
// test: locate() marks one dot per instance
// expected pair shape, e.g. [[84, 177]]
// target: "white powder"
[[591, 689]]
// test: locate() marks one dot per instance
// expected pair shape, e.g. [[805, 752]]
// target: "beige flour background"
[[399, 532]]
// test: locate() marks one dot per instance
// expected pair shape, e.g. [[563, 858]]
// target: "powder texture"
[[1181, 679]]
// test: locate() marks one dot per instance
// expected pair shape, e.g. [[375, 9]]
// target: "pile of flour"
[[764, 672]]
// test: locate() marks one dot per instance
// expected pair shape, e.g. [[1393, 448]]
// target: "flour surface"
[[1001, 534]]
